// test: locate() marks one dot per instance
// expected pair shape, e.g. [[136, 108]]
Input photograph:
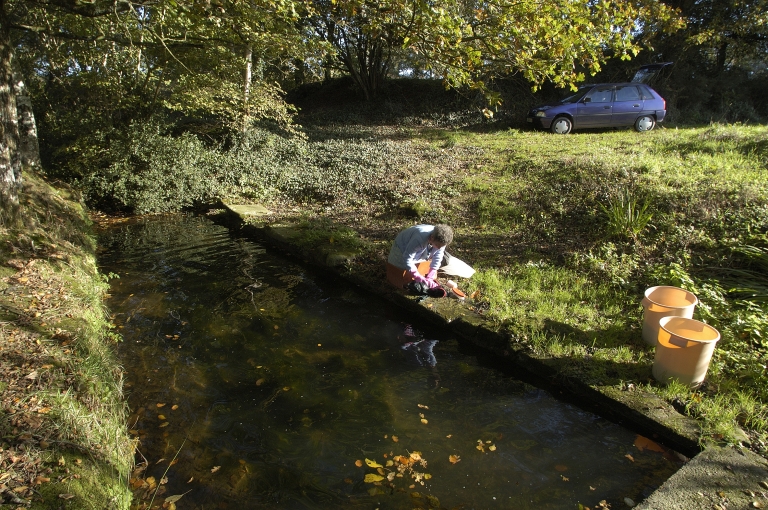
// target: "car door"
[[627, 106], [595, 109]]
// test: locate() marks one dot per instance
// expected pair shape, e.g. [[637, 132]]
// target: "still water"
[[255, 383]]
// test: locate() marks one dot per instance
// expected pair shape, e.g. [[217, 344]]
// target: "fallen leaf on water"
[[174, 461], [492, 447], [592, 488], [565, 478], [176, 497], [215, 468], [161, 417], [395, 439], [630, 457], [449, 436], [453, 459], [423, 406], [259, 382], [373, 477], [424, 421], [643, 443], [159, 461], [380, 471], [359, 463], [175, 406], [160, 404], [373, 463], [190, 480], [391, 476], [390, 463], [164, 424], [286, 388]]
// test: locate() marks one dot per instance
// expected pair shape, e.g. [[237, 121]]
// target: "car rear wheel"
[[645, 123], [561, 126]]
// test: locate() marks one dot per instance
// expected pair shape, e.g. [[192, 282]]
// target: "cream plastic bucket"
[[664, 301], [684, 350]]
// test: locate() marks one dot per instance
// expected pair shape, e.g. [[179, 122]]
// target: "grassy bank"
[[567, 233], [63, 439]]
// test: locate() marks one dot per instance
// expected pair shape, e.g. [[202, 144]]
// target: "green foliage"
[[147, 171], [626, 218]]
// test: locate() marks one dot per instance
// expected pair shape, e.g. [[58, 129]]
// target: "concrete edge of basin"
[[643, 412]]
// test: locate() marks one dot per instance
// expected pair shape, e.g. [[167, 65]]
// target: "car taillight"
[[665, 103]]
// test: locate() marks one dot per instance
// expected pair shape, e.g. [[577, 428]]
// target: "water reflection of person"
[[419, 351]]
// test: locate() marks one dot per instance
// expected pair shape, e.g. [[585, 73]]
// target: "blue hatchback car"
[[600, 106]]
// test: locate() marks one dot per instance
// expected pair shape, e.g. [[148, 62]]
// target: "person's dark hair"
[[443, 234]]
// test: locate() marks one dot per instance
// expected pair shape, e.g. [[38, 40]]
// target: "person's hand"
[[432, 284], [432, 274], [418, 278]]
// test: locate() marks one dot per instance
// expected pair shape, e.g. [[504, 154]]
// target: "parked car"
[[602, 105]]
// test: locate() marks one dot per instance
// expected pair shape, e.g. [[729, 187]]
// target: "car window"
[[645, 93], [576, 97], [601, 95], [627, 93]]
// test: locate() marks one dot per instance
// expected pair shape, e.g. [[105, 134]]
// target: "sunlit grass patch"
[[542, 296]]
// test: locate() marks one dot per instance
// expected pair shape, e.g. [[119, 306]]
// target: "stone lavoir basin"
[[256, 383]]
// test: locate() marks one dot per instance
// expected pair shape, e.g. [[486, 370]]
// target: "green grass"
[[54, 325]]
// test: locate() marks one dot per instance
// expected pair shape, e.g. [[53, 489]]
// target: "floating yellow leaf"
[[492, 447], [423, 406], [359, 463], [215, 468], [390, 463], [160, 416], [565, 478], [427, 476], [592, 488], [259, 382], [160, 404], [176, 497], [643, 443], [373, 477], [286, 388], [373, 463], [164, 424], [391, 476], [449, 436], [424, 421], [630, 457], [395, 439], [453, 459], [174, 407], [380, 471]]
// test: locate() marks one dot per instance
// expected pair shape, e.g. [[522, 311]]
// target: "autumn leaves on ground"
[[62, 417]]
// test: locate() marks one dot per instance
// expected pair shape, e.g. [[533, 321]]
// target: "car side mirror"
[[586, 100]]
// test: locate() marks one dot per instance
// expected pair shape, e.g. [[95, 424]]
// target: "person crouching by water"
[[416, 255]]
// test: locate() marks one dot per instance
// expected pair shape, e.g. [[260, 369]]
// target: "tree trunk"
[[247, 80], [10, 161], [29, 148]]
